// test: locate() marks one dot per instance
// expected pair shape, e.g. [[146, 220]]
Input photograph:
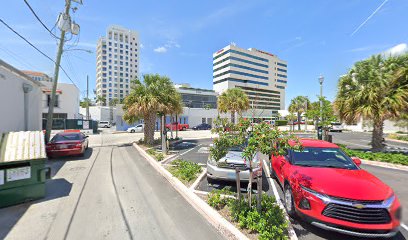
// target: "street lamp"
[[321, 79]]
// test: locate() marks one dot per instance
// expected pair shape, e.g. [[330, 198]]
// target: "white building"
[[117, 62], [100, 113], [261, 75], [38, 76], [67, 101], [20, 100]]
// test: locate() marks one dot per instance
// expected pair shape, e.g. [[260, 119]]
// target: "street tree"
[[148, 98], [262, 139], [291, 117], [298, 105], [374, 89], [86, 102], [101, 99], [313, 112], [233, 100]]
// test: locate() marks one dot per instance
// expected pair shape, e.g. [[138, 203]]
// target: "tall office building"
[[261, 75], [117, 62]]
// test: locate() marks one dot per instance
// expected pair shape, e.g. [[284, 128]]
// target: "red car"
[[67, 144], [327, 188], [178, 126]]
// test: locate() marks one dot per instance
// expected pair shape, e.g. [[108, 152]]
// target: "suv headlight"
[[389, 201], [320, 196]]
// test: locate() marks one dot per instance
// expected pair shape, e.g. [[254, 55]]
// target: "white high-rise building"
[[117, 62], [261, 75]]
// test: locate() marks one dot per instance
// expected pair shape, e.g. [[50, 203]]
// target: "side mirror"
[[86, 136], [356, 160]]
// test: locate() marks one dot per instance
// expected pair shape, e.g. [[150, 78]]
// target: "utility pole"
[[56, 73], [87, 97]]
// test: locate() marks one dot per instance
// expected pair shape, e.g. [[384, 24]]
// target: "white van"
[[336, 127], [104, 124]]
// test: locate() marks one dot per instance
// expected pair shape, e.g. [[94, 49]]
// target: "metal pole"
[[321, 101], [55, 80], [238, 183], [305, 116], [87, 97], [164, 147], [259, 195]]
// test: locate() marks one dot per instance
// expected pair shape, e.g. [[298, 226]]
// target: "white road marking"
[[404, 226], [189, 150], [204, 150], [355, 144]]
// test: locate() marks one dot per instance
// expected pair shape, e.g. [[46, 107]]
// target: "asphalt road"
[[394, 178], [111, 193]]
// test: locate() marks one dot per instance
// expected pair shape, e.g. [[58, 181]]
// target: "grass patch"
[[398, 137], [268, 223], [396, 158], [157, 155], [185, 170]]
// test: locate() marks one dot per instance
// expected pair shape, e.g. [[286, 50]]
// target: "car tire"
[[210, 180], [86, 148], [289, 203], [132, 131], [183, 129]]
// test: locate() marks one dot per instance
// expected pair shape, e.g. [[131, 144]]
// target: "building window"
[[240, 73], [281, 75], [281, 70], [56, 100], [241, 53]]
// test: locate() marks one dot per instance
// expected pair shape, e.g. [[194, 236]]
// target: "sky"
[[178, 38]]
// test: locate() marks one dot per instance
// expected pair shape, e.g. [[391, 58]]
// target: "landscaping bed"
[[396, 158], [398, 137], [268, 223], [186, 171]]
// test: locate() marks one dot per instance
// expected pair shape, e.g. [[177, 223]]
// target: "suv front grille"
[[357, 215], [232, 165]]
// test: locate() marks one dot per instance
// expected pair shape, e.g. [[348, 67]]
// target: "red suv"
[[327, 188]]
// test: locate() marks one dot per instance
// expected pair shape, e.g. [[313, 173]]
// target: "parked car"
[[327, 188], [202, 126], [270, 122], [336, 127], [137, 128], [224, 169], [67, 144], [104, 124], [297, 122], [178, 126]]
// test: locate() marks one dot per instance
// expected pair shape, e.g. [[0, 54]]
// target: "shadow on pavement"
[[9, 216]]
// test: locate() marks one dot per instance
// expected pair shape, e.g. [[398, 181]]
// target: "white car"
[[104, 124], [224, 169], [336, 127], [137, 128]]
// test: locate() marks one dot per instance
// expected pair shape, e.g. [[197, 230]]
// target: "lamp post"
[[321, 79]]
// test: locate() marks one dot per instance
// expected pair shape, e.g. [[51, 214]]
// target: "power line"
[[38, 18], [32, 45]]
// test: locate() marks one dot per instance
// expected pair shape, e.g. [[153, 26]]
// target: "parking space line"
[[355, 144], [404, 226], [291, 231], [181, 154]]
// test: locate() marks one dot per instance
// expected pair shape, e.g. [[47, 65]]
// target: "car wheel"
[[211, 180], [86, 146], [132, 131], [183, 129], [289, 203]]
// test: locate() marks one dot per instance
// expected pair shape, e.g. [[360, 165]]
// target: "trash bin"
[[320, 132], [22, 167]]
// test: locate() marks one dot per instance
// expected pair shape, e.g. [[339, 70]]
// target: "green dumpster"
[[22, 167]]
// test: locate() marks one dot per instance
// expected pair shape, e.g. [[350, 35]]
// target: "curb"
[[224, 227], [396, 140], [291, 231], [385, 165]]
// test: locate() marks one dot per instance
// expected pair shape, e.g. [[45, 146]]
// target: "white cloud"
[[397, 50], [160, 49], [141, 45]]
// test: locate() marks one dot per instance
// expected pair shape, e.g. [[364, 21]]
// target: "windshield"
[[66, 137], [336, 124], [322, 157]]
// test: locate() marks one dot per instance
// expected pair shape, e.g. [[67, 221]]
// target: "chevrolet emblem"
[[359, 205]]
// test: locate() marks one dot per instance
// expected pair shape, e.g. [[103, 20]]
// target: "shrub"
[[158, 156], [216, 200], [398, 137], [185, 170], [281, 122], [270, 222], [396, 158]]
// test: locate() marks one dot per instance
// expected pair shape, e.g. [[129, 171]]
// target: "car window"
[[66, 137], [139, 126], [322, 157]]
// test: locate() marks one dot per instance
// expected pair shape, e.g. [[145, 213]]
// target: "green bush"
[[270, 222], [158, 156], [216, 200], [398, 137], [396, 158], [281, 122], [185, 170]]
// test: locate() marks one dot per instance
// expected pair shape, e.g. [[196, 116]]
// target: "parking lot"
[[198, 151]]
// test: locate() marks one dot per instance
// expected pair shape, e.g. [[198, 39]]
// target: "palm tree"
[[374, 89], [101, 99], [86, 102], [148, 98], [233, 100], [291, 117], [113, 102], [298, 105]]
